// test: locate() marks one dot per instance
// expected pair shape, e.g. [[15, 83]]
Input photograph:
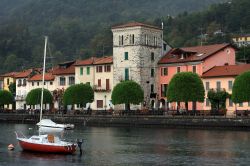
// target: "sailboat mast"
[[44, 61]]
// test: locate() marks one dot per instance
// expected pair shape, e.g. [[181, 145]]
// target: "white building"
[[137, 49]]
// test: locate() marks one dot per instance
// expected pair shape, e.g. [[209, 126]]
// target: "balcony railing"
[[100, 89]]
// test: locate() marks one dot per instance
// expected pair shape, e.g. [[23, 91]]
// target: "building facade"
[[198, 60], [242, 40], [137, 48], [222, 78], [98, 72]]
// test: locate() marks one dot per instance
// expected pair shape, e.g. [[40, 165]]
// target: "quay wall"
[[139, 121]]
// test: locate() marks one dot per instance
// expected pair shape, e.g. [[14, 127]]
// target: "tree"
[[12, 88], [6, 97], [185, 87], [34, 97], [217, 99], [78, 94], [241, 88], [127, 92]]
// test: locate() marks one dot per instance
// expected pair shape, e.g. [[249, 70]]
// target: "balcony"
[[100, 89]]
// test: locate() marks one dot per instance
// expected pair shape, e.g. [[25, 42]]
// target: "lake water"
[[134, 146]]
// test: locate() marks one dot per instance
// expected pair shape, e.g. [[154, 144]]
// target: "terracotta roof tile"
[[65, 68], [104, 60], [135, 24], [39, 77], [196, 53], [11, 74], [95, 61], [223, 71]]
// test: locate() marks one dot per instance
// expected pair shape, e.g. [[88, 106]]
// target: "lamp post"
[[105, 104]]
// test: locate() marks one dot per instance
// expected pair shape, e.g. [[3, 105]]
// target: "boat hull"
[[28, 146]]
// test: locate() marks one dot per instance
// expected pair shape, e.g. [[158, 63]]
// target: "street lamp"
[[105, 104]]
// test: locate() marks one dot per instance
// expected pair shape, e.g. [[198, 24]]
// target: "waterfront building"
[[98, 73], [198, 59], [1, 83], [137, 48], [222, 78], [22, 87], [8, 79], [242, 40]]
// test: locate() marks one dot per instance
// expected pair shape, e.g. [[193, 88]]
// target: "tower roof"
[[135, 24]]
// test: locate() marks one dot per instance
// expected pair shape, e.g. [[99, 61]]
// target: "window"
[[99, 103], [81, 71], [88, 70], [24, 82], [164, 71], [125, 55], [230, 85], [62, 81], [32, 83], [99, 83], [249, 104], [107, 84], [218, 85], [152, 72], [51, 83], [207, 102], [19, 82], [230, 103], [71, 80], [240, 104], [121, 40], [107, 68], [126, 74], [37, 83], [164, 47], [194, 69], [133, 39], [152, 88], [207, 86], [164, 88], [146, 39], [178, 69], [8, 81], [44, 83], [98, 69], [152, 56]]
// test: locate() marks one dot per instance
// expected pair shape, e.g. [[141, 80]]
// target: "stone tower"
[[137, 49]]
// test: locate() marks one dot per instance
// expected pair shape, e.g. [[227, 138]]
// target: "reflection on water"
[[135, 146]]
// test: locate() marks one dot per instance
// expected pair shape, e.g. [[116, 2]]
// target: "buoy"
[[11, 147]]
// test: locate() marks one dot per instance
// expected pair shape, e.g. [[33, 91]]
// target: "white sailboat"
[[47, 143], [47, 125]]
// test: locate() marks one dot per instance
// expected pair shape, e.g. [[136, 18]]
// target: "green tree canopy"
[[34, 97], [185, 87], [241, 88], [6, 97], [217, 99], [78, 94], [12, 88], [127, 92]]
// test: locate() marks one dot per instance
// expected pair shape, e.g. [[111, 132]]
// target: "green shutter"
[[126, 56], [88, 70], [126, 74], [81, 71]]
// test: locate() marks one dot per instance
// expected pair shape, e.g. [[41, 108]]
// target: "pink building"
[[222, 77], [198, 59]]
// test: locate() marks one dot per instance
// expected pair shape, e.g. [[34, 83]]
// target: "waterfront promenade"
[[133, 120]]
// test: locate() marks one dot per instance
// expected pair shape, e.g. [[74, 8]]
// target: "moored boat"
[[47, 143]]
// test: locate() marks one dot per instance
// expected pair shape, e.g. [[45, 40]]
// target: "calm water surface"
[[135, 146]]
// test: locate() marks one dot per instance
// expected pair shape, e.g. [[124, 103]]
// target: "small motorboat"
[[47, 143], [48, 126]]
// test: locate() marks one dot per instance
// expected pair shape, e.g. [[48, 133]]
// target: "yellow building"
[[8, 78], [242, 40]]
